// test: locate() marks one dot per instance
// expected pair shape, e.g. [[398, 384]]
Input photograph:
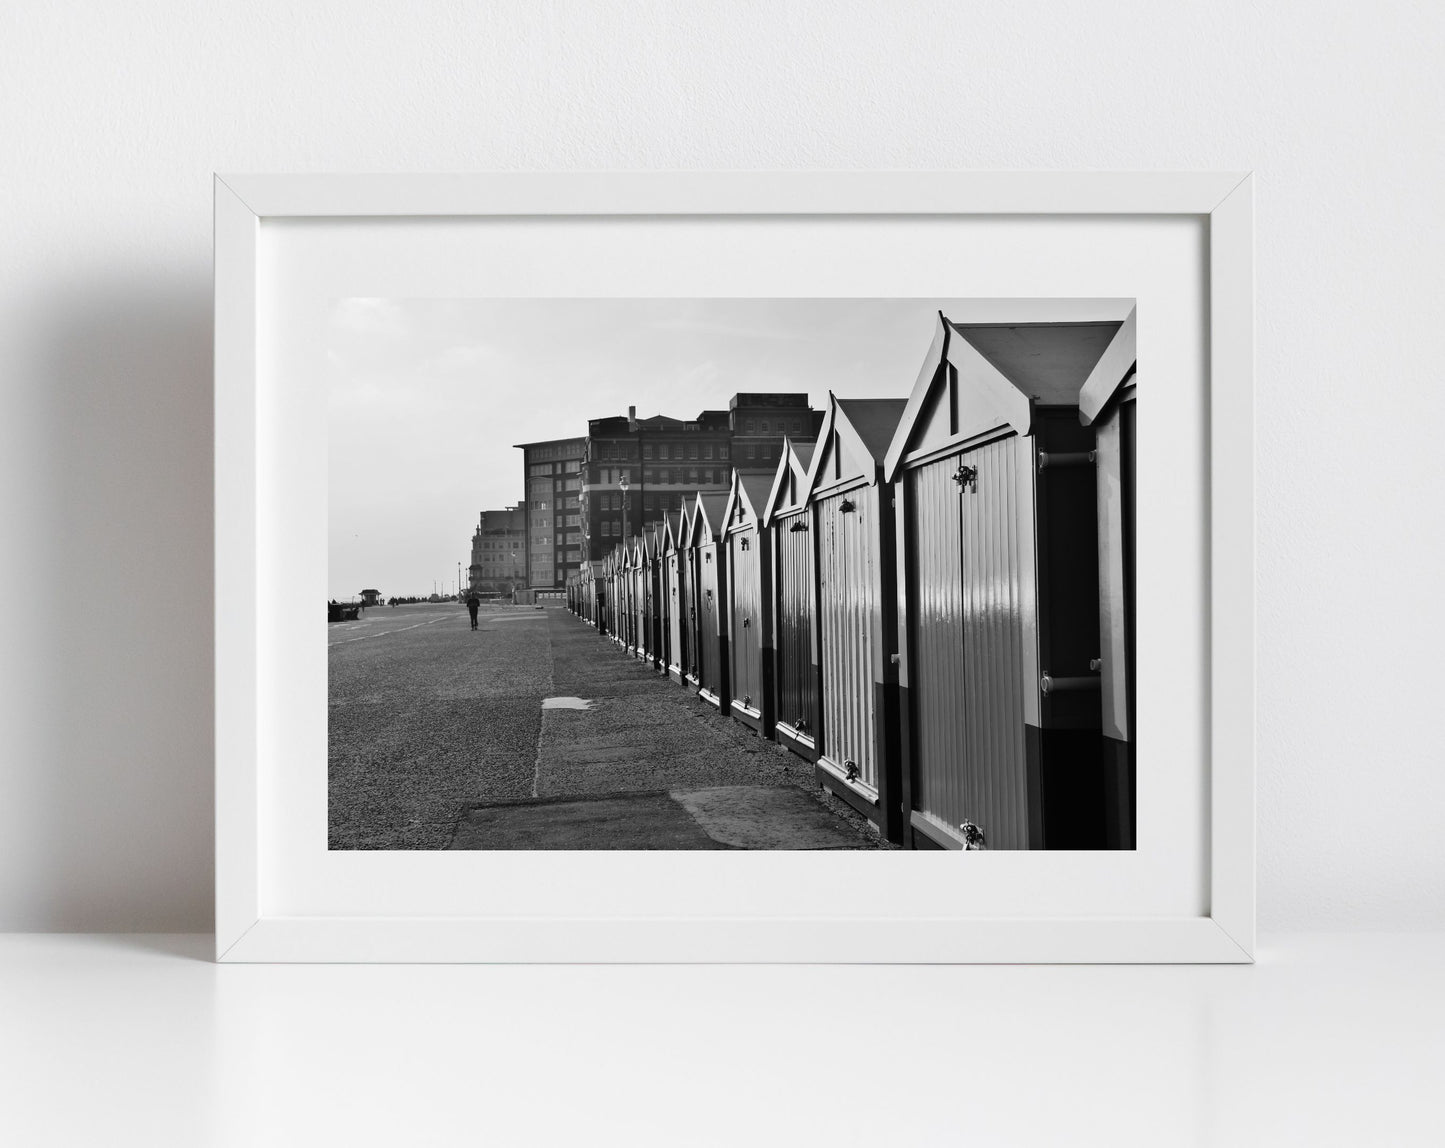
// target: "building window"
[[751, 426], [797, 426], [662, 450], [763, 427], [691, 475], [752, 452], [647, 450], [722, 451], [692, 450], [707, 450]]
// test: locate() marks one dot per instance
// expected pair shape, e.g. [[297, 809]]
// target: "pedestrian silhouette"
[[474, 603]]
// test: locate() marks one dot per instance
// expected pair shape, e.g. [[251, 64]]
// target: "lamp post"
[[622, 482]]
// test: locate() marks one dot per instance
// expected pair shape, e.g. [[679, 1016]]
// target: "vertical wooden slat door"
[[797, 693], [745, 586], [845, 625], [709, 668], [966, 645]]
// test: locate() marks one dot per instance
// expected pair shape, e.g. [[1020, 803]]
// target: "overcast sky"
[[429, 396]]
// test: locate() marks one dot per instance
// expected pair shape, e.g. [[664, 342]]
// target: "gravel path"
[[425, 719], [428, 718]]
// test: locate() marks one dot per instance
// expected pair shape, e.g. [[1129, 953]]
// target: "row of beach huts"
[[933, 602]]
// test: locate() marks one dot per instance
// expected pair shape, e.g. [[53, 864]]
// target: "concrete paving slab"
[[617, 821], [766, 817]]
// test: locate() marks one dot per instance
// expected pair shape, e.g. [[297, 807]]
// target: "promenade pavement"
[[535, 732]]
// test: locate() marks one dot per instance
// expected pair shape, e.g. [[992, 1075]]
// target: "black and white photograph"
[[711, 574]]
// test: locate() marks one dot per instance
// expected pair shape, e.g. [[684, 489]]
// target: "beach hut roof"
[[979, 377], [1115, 368], [854, 441], [707, 518], [747, 496], [790, 479]]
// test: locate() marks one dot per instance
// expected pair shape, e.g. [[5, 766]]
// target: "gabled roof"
[[651, 542], [853, 440], [748, 493], [791, 475], [1114, 367], [1003, 371], [707, 518]]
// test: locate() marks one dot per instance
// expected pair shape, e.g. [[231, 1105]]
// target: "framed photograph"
[[734, 567]]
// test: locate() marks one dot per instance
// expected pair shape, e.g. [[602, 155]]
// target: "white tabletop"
[[1329, 1039]]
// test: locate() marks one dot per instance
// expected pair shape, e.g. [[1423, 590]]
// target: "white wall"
[[113, 115]]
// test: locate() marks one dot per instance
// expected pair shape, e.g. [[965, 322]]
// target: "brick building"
[[499, 552], [552, 477], [637, 470]]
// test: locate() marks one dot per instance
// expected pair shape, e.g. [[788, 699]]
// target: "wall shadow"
[[118, 803]]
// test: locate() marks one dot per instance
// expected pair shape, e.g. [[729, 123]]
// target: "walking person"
[[474, 603]]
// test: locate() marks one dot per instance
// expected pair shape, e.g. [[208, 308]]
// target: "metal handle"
[[1065, 458], [1052, 685]]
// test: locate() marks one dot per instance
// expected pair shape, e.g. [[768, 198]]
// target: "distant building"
[[637, 470], [371, 597], [553, 531], [499, 552]]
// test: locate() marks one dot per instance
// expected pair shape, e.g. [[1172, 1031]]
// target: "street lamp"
[[622, 482]]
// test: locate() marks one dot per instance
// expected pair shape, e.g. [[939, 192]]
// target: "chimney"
[[632, 418]]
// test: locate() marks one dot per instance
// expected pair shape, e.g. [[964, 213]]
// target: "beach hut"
[[677, 570], [998, 638], [626, 604], [710, 619], [749, 580], [649, 643], [595, 592], [614, 594], [627, 568], [796, 675], [851, 512], [1107, 403], [637, 557]]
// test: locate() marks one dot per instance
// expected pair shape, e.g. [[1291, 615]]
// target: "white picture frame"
[[250, 929]]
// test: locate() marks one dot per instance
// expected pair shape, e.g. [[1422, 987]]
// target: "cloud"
[[370, 317], [465, 357]]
